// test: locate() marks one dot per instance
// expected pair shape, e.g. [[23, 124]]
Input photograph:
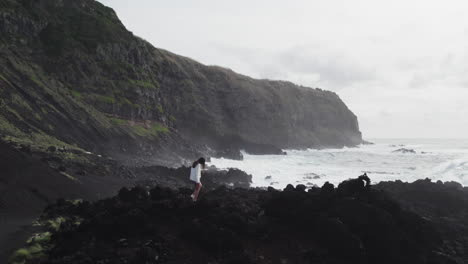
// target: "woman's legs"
[[195, 194]]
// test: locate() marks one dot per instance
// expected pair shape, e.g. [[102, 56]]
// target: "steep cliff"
[[72, 75]]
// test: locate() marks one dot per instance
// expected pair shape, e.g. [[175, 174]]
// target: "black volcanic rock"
[[179, 177], [88, 108], [354, 186], [245, 226], [31, 180], [71, 73], [404, 150], [444, 205], [27, 185], [263, 149], [233, 153]]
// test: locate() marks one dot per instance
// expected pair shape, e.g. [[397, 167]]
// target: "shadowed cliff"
[[71, 74]]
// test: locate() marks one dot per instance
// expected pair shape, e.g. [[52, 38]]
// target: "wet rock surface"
[[353, 223], [444, 205]]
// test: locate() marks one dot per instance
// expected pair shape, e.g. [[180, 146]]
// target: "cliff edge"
[[72, 75]]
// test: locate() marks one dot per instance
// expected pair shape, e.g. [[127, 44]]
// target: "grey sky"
[[401, 66]]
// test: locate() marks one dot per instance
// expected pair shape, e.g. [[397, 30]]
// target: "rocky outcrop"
[[404, 151], [71, 73], [350, 224], [444, 205], [178, 178], [30, 180]]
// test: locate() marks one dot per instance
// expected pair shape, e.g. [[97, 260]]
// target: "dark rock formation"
[[229, 153], [178, 178], [444, 205], [350, 224], [31, 180], [71, 73], [83, 102], [263, 149], [88, 107], [405, 151], [354, 186]]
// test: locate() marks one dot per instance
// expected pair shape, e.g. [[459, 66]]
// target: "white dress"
[[195, 173]]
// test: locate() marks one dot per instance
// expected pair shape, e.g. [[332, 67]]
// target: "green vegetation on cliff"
[[69, 69], [140, 129]]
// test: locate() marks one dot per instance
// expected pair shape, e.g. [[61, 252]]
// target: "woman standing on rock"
[[195, 175]]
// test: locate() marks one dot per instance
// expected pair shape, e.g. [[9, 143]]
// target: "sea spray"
[[437, 159]]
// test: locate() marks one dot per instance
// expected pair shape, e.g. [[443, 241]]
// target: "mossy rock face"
[[145, 130], [76, 94], [37, 247], [153, 130], [39, 244], [102, 99], [20, 256], [86, 67], [80, 24], [118, 121], [55, 39], [9, 4], [142, 83]]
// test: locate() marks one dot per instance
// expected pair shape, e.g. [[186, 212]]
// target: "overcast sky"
[[401, 66]]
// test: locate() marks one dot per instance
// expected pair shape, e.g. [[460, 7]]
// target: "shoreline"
[[166, 212], [151, 176], [384, 161]]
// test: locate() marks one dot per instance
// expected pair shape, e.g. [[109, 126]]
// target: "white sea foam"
[[441, 159]]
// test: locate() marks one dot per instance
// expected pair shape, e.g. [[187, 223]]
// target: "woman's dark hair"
[[199, 161]]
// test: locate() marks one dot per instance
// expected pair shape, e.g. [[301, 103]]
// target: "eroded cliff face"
[[71, 74]]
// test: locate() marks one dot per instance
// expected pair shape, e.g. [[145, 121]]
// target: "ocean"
[[436, 159]]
